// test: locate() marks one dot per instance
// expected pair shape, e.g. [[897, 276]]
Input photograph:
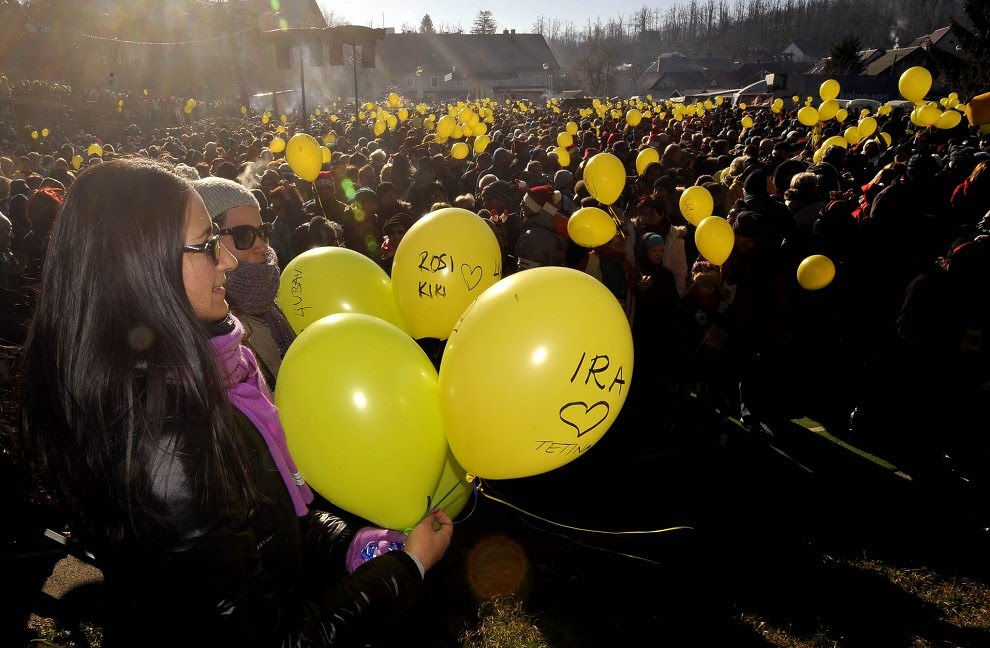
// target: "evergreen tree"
[[426, 25], [970, 75], [844, 57], [484, 23]]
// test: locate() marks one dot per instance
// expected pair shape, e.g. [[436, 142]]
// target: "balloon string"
[[615, 219], [574, 528], [430, 507]]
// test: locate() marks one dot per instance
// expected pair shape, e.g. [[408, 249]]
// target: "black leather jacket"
[[259, 577]]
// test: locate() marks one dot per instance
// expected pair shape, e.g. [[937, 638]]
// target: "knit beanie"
[[221, 194], [542, 198]]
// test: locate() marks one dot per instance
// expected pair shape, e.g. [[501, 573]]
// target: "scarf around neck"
[[252, 289], [248, 392]]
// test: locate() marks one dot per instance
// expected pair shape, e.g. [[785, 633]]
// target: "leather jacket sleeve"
[[248, 576]]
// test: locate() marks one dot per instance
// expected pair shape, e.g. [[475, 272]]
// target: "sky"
[[508, 14]]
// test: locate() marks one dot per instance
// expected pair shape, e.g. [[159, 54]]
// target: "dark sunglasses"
[[245, 235], [210, 246]]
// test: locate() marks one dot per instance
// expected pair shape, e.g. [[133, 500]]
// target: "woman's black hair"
[[116, 357]]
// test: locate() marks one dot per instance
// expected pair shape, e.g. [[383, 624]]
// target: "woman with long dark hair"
[[155, 431]]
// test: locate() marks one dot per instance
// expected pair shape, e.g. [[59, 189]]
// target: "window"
[[460, 82], [410, 82], [434, 82], [539, 80]]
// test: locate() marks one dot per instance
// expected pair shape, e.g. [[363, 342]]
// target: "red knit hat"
[[542, 198]]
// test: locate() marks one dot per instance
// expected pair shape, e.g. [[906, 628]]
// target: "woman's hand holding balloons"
[[428, 540]]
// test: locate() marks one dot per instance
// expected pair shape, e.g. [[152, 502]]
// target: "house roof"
[[886, 59], [934, 37], [486, 55], [806, 48]]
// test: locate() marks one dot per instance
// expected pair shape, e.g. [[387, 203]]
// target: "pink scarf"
[[248, 392]]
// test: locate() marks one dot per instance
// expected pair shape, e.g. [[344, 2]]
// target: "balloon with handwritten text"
[[328, 280], [358, 400], [534, 373], [445, 260]]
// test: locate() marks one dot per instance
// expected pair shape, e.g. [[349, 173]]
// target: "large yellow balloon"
[[915, 83], [747, 122], [481, 143], [590, 227], [277, 145], [829, 90], [561, 343], [358, 399], [445, 260], [928, 115], [852, 135], [841, 114], [633, 117], [815, 272], [563, 156], [715, 239], [828, 109], [835, 140], [328, 280], [696, 204], [565, 139], [571, 128], [326, 154], [605, 177], [645, 158], [446, 126], [459, 151], [808, 116], [304, 156]]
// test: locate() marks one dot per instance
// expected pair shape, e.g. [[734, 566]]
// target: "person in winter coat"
[[154, 431], [543, 241]]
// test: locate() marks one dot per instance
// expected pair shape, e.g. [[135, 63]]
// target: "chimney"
[[512, 31], [505, 31]]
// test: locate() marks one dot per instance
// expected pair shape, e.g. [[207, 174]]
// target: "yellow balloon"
[[393, 100], [835, 140], [605, 177], [328, 280], [359, 403], [867, 126], [304, 156], [853, 135], [481, 143], [590, 227], [808, 116], [696, 204], [277, 145], [34, 134], [828, 109], [95, 149], [243, 110], [719, 101], [403, 114], [326, 154], [948, 119], [284, 119], [280, 129], [633, 117], [445, 260], [45, 132], [841, 114], [563, 157], [928, 115], [565, 388], [77, 161], [645, 158], [479, 128], [817, 156], [459, 151], [742, 106], [565, 139], [571, 128], [829, 90], [815, 272], [887, 138], [795, 99], [265, 119], [747, 122], [453, 491], [445, 126], [715, 239], [915, 83]]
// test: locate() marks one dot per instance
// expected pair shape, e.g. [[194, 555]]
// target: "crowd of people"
[[95, 295]]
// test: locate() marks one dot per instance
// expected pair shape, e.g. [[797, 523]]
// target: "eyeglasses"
[[210, 246], [245, 235]]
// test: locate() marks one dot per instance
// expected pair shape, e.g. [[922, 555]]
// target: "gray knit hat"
[[220, 194]]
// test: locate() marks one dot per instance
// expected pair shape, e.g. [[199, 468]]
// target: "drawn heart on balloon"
[[582, 417], [468, 274]]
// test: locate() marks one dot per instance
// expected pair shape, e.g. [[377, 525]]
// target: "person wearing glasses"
[[253, 285], [150, 425]]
